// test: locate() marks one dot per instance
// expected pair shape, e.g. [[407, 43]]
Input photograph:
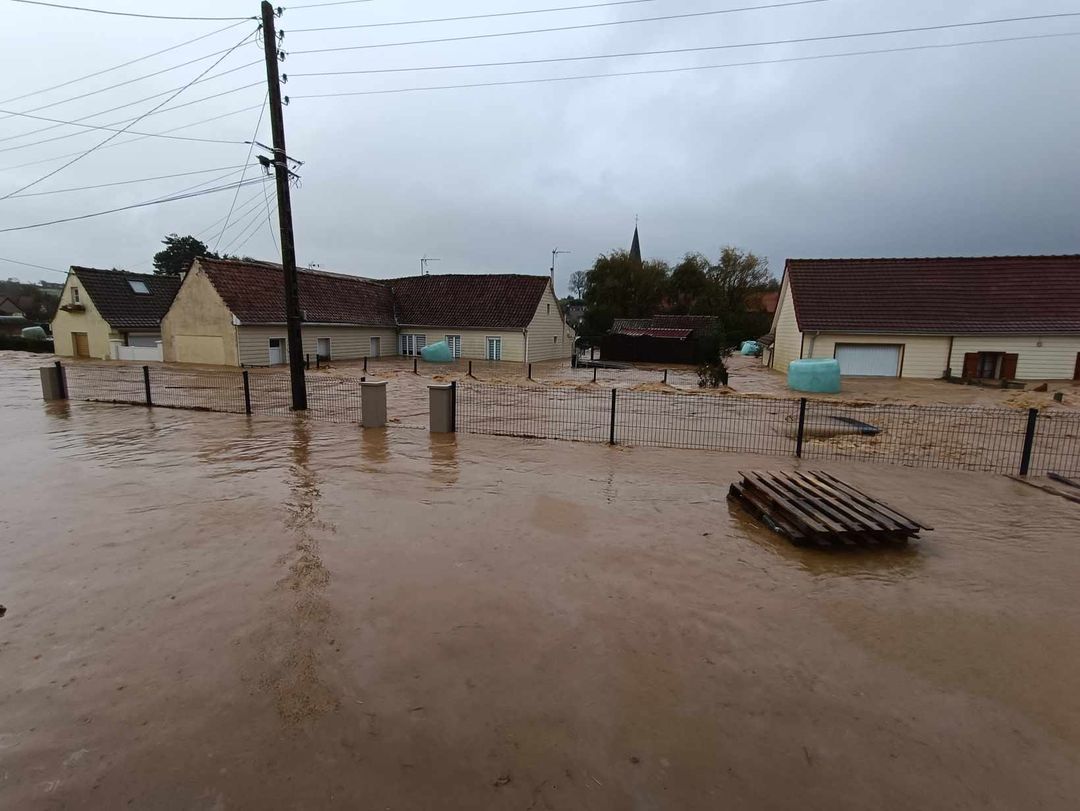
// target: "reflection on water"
[[884, 564], [444, 458], [374, 447]]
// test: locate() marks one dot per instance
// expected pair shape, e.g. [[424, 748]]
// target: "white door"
[[494, 348], [277, 351], [373, 352], [322, 348], [868, 360]]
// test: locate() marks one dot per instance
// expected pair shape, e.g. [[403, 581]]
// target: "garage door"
[[868, 360]]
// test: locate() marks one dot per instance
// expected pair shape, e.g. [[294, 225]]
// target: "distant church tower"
[[635, 248]]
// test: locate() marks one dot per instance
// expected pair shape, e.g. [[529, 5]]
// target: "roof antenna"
[[424, 263]]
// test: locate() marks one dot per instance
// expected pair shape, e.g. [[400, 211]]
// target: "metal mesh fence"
[[1057, 444], [930, 436], [330, 399], [733, 424], [933, 436]]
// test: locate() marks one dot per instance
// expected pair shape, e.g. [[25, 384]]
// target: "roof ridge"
[[1024, 257], [261, 265], [124, 273]]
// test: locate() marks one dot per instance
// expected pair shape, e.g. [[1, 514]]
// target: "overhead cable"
[[552, 79], [127, 13], [117, 134], [581, 27], [251, 149], [129, 182]]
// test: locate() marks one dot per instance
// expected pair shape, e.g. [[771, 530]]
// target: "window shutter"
[[1008, 367], [971, 365]]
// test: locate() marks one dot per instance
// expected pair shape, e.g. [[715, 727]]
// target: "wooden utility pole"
[[293, 316]]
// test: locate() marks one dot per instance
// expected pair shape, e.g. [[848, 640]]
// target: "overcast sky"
[[970, 150]]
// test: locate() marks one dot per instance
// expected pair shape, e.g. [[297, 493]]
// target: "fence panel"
[[106, 384], [1057, 444], [548, 412], [934, 436], [198, 390], [707, 422]]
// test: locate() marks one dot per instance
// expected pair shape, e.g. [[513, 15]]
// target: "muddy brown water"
[[210, 611]]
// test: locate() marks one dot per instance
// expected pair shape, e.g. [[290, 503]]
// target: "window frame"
[[145, 290], [454, 342], [75, 295], [493, 340], [408, 344]]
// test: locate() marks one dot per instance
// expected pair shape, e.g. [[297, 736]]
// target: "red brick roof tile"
[[469, 301], [255, 293], [996, 294]]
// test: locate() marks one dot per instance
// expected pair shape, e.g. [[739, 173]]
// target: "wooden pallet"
[[814, 508]]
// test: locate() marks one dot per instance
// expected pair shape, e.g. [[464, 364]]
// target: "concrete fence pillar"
[[53, 383], [373, 404], [441, 399]]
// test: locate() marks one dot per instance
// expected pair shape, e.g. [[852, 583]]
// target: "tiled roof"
[[650, 332], [469, 301], [120, 305], [255, 293], [659, 324], [998, 294]]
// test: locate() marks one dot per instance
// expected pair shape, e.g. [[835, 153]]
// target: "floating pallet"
[[814, 508]]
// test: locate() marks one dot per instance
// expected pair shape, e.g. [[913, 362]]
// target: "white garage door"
[[868, 360]]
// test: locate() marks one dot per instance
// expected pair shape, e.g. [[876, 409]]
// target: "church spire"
[[635, 246]]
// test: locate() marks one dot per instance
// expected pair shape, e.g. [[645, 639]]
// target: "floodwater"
[[208, 611]]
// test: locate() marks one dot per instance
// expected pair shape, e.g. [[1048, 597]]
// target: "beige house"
[[232, 313], [506, 317], [978, 318], [112, 314]]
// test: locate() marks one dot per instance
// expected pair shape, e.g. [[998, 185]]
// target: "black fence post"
[[611, 438], [470, 369], [146, 384], [365, 364], [318, 361], [594, 374], [1029, 441], [802, 427], [61, 377], [307, 361], [530, 371], [247, 393], [453, 406], [414, 369], [665, 377]]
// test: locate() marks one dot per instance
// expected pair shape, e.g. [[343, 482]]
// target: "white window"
[[454, 342], [412, 344], [74, 295], [494, 348], [139, 287]]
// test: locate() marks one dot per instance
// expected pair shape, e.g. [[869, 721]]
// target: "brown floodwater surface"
[[207, 611]]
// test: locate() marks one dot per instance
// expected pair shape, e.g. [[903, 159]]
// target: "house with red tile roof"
[[232, 313], [996, 318]]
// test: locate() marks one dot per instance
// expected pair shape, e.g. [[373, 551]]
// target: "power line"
[[694, 14], [120, 107], [117, 134], [270, 218], [473, 16], [141, 137], [251, 149], [128, 182], [108, 129], [249, 227], [158, 201], [547, 80], [83, 96], [323, 5], [666, 51], [127, 13], [32, 265], [242, 211], [122, 64]]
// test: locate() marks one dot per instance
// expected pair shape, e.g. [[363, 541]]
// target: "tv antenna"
[[424, 263]]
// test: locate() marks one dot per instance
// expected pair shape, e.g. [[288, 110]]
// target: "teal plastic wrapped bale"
[[34, 334], [814, 376], [750, 348], [437, 353]]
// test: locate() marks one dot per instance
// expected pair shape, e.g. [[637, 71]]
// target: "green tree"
[[179, 253], [578, 280], [687, 284], [732, 279], [617, 286]]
